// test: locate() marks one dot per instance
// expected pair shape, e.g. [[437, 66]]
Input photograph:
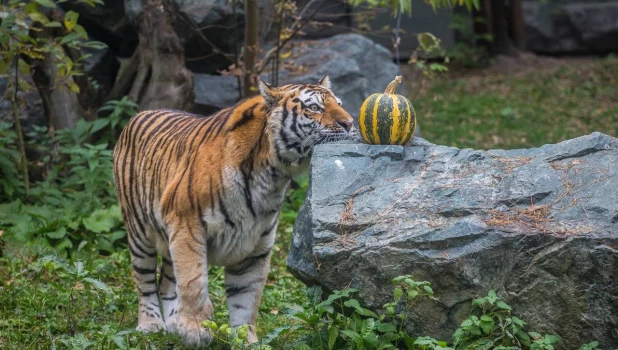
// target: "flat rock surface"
[[540, 226]]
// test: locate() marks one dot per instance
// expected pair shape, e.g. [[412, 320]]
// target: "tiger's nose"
[[345, 124]]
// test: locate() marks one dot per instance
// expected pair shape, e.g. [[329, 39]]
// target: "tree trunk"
[[23, 161], [518, 28], [156, 76], [499, 28], [251, 45], [63, 107], [485, 27]]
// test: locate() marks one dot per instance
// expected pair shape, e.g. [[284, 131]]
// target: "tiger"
[[207, 190]]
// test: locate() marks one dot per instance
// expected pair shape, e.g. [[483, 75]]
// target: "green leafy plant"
[[74, 207], [50, 302], [341, 322], [118, 112], [467, 50], [75, 273], [18, 39], [545, 342], [79, 291], [590, 346], [34, 34], [226, 335], [429, 46], [496, 327], [407, 291], [329, 326], [11, 186]]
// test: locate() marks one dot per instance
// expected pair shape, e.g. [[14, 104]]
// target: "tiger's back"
[[149, 152]]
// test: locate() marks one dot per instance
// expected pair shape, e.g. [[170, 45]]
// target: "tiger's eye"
[[314, 108]]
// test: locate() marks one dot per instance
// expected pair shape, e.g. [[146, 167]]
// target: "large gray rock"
[[357, 68], [332, 18], [559, 27], [107, 23], [30, 111], [214, 92], [201, 26], [540, 226], [195, 20], [102, 66]]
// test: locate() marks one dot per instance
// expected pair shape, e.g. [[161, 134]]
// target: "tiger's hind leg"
[[168, 292], [244, 282], [144, 259], [188, 252]]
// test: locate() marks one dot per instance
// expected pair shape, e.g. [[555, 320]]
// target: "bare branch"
[[23, 161], [271, 52]]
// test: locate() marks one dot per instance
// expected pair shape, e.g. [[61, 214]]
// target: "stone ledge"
[[539, 225]]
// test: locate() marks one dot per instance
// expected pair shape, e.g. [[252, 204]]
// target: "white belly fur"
[[228, 245]]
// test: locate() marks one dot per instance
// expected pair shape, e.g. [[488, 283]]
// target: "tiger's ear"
[[325, 82], [269, 94]]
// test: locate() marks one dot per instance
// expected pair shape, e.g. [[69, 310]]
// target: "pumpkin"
[[388, 118]]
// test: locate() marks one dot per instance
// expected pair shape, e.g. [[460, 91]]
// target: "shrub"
[[340, 322], [73, 207]]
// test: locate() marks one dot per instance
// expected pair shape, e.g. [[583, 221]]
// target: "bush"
[[340, 322], [73, 208], [11, 185], [467, 50]]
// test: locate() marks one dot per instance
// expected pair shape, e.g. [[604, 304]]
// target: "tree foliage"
[[22, 46]]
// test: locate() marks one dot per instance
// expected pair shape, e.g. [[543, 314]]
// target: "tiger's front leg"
[[187, 245], [244, 283]]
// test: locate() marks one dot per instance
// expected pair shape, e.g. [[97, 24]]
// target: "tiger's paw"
[[171, 324], [192, 333], [151, 326], [252, 337]]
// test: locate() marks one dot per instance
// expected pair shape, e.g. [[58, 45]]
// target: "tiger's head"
[[301, 116]]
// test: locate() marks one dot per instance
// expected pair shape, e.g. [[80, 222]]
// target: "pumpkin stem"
[[390, 89]]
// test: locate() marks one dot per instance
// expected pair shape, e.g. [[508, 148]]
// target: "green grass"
[[528, 110], [43, 306]]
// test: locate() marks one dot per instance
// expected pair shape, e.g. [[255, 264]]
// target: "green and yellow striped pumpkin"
[[388, 118]]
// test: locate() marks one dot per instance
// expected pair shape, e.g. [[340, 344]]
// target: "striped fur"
[[203, 191]]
